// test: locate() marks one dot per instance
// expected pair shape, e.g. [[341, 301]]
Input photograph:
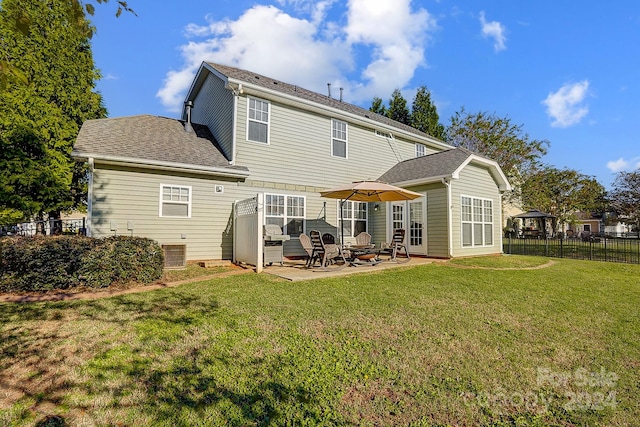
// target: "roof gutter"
[[160, 165], [421, 181]]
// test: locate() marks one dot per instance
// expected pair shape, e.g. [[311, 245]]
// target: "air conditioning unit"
[[175, 256]]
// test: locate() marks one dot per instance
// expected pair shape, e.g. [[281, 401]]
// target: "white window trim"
[[286, 217], [351, 220], [188, 187], [268, 122], [346, 141], [483, 222], [381, 134], [424, 150]]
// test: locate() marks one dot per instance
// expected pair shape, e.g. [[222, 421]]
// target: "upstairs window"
[[175, 201], [258, 121], [421, 150], [338, 139]]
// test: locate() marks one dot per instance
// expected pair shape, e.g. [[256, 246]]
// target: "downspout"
[[234, 132], [501, 234], [89, 196], [447, 184]]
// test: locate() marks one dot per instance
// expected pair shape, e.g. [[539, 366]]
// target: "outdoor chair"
[[396, 249], [305, 241], [328, 253], [363, 239], [328, 238]]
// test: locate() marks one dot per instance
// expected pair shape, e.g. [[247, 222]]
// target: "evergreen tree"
[[398, 110], [378, 107], [40, 119], [424, 115]]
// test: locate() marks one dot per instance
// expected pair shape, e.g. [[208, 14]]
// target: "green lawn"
[[431, 345]]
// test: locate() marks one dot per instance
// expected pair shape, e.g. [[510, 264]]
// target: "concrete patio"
[[295, 270]]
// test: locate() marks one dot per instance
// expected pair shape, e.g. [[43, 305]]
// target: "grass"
[[431, 345], [191, 271]]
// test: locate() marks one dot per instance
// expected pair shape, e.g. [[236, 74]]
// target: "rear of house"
[[243, 134]]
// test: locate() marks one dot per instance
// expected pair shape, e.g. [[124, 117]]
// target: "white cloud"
[[624, 164], [311, 51], [566, 106], [494, 30]]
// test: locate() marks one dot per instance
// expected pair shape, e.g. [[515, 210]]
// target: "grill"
[[273, 243]]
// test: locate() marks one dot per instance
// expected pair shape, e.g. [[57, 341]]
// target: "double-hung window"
[[354, 217], [477, 221], [258, 121], [287, 212], [175, 201], [338, 139], [421, 150]]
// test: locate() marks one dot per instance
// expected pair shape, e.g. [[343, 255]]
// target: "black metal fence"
[[50, 227], [625, 250]]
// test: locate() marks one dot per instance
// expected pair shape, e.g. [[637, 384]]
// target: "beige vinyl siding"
[[378, 224], [133, 195], [214, 107], [300, 149], [124, 194], [475, 181], [436, 225]]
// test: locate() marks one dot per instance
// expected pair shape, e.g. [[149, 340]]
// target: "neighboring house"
[[241, 134], [586, 222]]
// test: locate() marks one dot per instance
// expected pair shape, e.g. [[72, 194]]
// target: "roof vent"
[[188, 105], [341, 89], [329, 89]]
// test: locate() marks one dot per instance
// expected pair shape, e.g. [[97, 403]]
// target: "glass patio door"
[[416, 228]]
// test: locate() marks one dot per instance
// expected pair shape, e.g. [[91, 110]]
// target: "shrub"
[[41, 263], [122, 259], [44, 263]]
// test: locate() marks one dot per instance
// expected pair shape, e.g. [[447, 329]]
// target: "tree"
[[424, 115], [498, 139], [378, 107], [39, 120], [563, 193], [20, 22], [624, 197], [398, 110]]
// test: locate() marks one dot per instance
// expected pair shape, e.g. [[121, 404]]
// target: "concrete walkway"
[[296, 271]]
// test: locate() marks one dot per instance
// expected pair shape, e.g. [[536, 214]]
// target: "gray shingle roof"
[[293, 90], [151, 138], [434, 165]]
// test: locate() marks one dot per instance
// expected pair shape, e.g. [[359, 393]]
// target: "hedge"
[[43, 263]]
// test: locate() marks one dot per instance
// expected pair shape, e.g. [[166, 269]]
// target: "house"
[[243, 134]]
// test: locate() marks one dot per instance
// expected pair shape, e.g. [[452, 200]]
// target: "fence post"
[[546, 246], [605, 247], [561, 239]]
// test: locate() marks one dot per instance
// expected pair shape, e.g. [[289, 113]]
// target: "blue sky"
[[568, 71]]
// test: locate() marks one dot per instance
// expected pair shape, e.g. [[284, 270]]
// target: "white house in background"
[[243, 134]]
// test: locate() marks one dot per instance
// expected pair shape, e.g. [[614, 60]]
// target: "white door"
[[417, 237]]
